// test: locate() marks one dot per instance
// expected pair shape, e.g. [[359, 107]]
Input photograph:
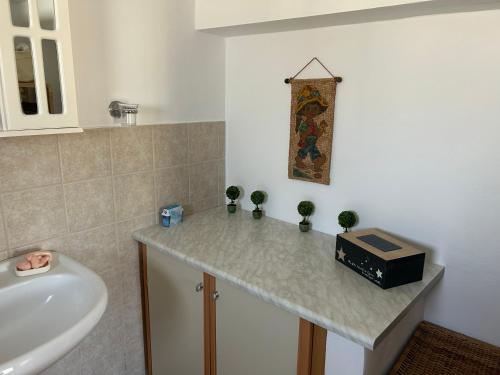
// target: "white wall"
[[220, 13], [415, 148], [145, 52]]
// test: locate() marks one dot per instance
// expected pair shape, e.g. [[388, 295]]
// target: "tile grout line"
[[183, 165], [113, 201], [82, 231], [218, 141], [110, 145], [89, 180], [24, 189], [141, 216], [189, 163], [92, 179], [4, 225], [219, 169], [144, 171], [155, 180], [115, 206], [59, 155]]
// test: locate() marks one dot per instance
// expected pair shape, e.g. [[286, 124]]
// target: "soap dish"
[[33, 271], [34, 263]]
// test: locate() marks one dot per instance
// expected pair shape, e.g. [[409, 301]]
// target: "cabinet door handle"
[[199, 287], [215, 295]]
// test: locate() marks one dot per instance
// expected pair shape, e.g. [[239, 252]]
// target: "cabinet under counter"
[[278, 265]]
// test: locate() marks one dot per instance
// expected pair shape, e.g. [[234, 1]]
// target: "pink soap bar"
[[23, 265], [34, 260]]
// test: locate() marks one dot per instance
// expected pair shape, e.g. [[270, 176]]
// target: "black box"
[[382, 259]]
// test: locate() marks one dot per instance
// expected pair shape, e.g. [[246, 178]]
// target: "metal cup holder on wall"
[[127, 113]]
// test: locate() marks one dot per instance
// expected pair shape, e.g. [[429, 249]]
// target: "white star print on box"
[[379, 273], [341, 254]]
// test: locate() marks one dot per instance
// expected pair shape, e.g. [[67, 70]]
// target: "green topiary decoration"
[[232, 192], [347, 219], [257, 198], [305, 209]]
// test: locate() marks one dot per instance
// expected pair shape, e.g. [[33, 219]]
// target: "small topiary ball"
[[257, 197], [232, 192], [347, 219], [305, 208]]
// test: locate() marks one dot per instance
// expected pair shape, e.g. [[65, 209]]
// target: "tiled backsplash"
[[83, 194]]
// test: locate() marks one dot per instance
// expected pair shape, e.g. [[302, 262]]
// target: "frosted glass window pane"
[[20, 13], [25, 75], [47, 14], [52, 76]]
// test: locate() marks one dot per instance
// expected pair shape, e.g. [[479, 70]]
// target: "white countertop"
[[295, 271]]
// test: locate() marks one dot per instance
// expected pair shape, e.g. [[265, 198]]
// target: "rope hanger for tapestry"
[[289, 80]]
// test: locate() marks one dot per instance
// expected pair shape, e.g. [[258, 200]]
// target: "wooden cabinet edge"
[[209, 325], [311, 349], [146, 326], [318, 358]]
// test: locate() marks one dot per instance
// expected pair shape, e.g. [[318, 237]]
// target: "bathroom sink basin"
[[42, 317]]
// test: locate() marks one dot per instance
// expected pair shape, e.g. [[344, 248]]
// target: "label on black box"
[[360, 261]]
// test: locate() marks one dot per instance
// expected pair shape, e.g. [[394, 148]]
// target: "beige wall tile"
[[170, 145], [113, 278], [203, 142], [71, 363], [221, 173], [203, 181], [132, 297], [33, 215], [36, 218], [103, 348], [127, 246], [27, 162], [89, 203], [132, 325], [56, 244], [3, 237], [134, 358], [85, 155], [222, 199], [4, 255], [172, 186], [221, 134], [134, 195], [198, 205], [95, 248], [132, 149]]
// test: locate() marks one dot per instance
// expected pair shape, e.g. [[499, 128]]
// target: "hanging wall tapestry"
[[311, 129]]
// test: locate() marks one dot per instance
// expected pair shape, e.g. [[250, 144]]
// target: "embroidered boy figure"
[[310, 104]]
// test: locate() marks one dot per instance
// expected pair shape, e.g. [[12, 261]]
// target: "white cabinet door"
[[176, 315], [36, 66], [253, 337]]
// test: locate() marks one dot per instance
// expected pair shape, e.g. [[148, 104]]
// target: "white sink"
[[43, 317]]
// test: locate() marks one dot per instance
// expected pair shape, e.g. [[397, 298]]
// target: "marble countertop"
[[295, 271]]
